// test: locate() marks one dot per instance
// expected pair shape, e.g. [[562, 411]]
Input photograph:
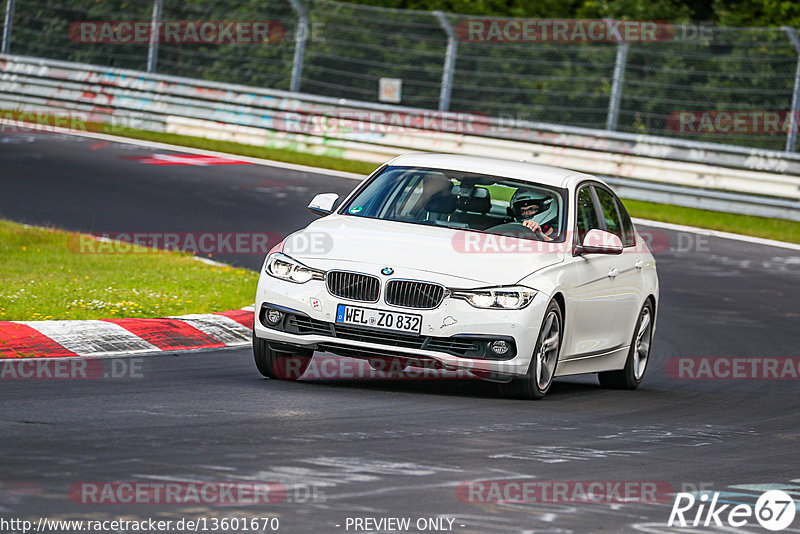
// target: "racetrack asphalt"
[[385, 448]]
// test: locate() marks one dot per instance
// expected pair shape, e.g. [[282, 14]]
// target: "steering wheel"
[[517, 229]]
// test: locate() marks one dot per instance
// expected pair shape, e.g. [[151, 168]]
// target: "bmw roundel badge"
[[387, 271]]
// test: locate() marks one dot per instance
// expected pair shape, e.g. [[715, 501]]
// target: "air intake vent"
[[411, 294], [353, 286]]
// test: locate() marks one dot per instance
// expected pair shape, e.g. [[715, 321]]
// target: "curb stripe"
[[219, 327], [20, 340], [243, 317], [92, 337], [168, 334]]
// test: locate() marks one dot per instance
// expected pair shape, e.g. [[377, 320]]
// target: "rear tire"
[[279, 365], [639, 354], [537, 381]]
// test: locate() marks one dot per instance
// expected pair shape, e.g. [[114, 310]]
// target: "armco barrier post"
[[9, 21], [616, 86], [301, 34], [152, 50], [449, 61], [791, 135]]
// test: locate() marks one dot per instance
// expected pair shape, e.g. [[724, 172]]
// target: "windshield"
[[461, 200]]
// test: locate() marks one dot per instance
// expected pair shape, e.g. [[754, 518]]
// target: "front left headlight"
[[504, 298], [283, 267]]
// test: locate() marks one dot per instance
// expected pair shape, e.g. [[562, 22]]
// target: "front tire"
[[279, 365], [633, 373], [537, 381]]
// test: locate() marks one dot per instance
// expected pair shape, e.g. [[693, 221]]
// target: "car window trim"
[[589, 184], [561, 191], [617, 204], [598, 208], [359, 188]]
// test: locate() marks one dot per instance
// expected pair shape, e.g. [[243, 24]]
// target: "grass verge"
[[44, 277]]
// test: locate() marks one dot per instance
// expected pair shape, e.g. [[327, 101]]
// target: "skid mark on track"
[[683, 436], [455, 431], [558, 454], [282, 192], [662, 528], [325, 471]]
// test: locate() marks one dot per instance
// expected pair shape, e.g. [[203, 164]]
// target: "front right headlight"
[[504, 298], [283, 267]]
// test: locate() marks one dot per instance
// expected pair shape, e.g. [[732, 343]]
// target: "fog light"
[[274, 317], [499, 347]]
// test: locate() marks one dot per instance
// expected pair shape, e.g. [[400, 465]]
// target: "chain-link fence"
[[724, 85]]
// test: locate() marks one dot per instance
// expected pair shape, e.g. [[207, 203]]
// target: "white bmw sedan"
[[511, 272]]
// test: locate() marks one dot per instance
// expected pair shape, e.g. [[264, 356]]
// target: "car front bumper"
[[445, 331]]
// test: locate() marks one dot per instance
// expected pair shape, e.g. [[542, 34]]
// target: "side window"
[[629, 236], [610, 215], [587, 216]]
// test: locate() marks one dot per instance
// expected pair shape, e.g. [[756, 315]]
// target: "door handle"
[[639, 264], [613, 273]]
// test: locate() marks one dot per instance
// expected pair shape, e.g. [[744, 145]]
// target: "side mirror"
[[599, 242], [323, 204]]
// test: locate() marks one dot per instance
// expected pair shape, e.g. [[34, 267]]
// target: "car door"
[[593, 295], [628, 280]]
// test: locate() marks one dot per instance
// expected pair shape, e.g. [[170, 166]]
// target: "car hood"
[[369, 245]]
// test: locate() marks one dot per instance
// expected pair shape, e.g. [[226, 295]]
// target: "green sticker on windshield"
[[356, 209]]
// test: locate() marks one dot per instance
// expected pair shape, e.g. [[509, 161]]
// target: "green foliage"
[[500, 8], [674, 11], [757, 12]]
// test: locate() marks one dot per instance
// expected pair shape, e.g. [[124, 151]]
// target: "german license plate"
[[385, 320]]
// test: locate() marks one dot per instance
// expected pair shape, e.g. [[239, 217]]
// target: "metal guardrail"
[[635, 84], [710, 176], [706, 199]]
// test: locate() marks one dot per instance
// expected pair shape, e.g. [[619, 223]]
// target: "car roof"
[[543, 174]]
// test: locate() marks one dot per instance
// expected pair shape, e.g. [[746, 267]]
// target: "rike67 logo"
[[774, 510]]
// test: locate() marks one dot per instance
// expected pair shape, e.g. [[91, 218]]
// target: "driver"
[[525, 205]]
